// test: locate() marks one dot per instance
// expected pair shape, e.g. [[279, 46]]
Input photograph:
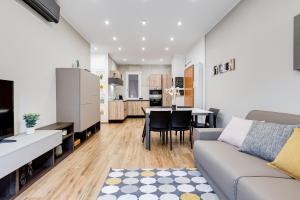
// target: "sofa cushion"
[[288, 160], [265, 140], [224, 164], [236, 131], [268, 188]]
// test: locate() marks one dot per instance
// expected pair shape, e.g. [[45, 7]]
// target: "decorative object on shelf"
[[179, 83], [30, 169], [173, 92], [103, 94], [77, 142], [23, 176], [76, 64], [31, 120], [58, 151], [223, 68]]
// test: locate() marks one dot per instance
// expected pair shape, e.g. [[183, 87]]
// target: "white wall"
[[196, 57], [112, 65], [196, 54], [146, 71], [30, 50], [178, 65], [259, 34]]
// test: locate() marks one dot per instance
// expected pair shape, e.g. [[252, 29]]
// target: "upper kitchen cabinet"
[[155, 82]]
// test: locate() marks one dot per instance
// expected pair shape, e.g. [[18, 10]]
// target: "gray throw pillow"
[[265, 140]]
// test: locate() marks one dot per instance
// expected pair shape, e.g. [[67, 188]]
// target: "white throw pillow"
[[236, 131]]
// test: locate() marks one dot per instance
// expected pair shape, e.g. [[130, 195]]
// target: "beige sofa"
[[238, 176]]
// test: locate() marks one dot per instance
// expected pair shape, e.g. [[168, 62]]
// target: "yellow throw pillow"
[[288, 160]]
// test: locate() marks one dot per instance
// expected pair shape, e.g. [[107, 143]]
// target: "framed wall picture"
[[215, 70], [179, 83], [223, 68], [232, 64]]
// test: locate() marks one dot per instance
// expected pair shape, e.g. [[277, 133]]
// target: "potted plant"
[[173, 92], [30, 120]]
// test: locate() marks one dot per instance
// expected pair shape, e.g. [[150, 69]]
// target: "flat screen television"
[[6, 109]]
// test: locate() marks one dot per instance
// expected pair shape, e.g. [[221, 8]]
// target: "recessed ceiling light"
[[144, 22], [161, 60], [125, 59], [120, 48], [143, 49], [143, 60], [171, 39], [106, 22], [179, 23], [96, 48], [143, 38], [114, 38], [167, 48]]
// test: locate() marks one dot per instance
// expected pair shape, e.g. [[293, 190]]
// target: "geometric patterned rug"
[[156, 184]]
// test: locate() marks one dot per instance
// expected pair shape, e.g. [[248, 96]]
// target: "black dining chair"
[[181, 121], [206, 124], [183, 107], [160, 122], [144, 130], [196, 124]]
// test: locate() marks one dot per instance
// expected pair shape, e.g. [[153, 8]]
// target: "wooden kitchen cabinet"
[[145, 104], [126, 108], [155, 82], [120, 110], [166, 84], [135, 107], [117, 110]]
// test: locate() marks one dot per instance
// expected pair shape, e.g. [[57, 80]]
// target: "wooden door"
[[189, 86]]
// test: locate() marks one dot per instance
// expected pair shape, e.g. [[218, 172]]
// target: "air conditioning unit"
[[49, 9]]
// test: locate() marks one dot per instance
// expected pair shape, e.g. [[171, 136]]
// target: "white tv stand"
[[37, 148]]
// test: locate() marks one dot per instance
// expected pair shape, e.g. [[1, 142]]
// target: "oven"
[[155, 97]]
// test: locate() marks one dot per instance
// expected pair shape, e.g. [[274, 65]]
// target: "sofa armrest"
[[207, 133]]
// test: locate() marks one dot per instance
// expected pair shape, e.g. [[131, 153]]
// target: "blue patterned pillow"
[[265, 140]]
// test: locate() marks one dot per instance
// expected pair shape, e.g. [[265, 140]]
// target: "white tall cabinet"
[[77, 98]]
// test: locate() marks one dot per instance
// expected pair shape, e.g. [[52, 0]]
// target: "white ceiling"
[[125, 16]]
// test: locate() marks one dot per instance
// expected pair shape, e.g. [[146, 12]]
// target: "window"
[[133, 86]]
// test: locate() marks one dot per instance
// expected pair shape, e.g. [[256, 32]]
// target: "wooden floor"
[[81, 175]]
